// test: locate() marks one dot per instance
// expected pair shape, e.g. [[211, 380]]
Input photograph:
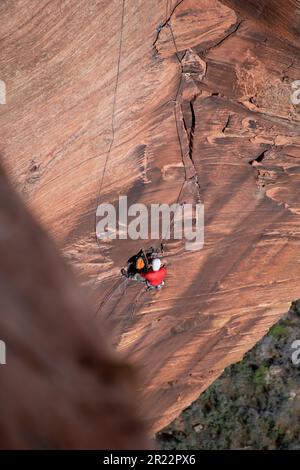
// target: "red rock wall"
[[209, 73], [281, 17]]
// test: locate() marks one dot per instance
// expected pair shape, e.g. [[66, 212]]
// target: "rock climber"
[[146, 267], [135, 265], [154, 276]]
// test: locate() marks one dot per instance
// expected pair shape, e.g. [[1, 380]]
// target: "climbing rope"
[[176, 122], [112, 139], [112, 117], [165, 23], [119, 283], [178, 136], [167, 10]]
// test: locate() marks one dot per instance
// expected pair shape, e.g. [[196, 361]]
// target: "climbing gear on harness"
[[150, 287], [140, 263]]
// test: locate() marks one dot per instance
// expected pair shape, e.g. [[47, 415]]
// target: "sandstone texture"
[[162, 101]]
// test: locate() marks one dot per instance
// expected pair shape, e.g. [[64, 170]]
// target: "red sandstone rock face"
[[202, 111]]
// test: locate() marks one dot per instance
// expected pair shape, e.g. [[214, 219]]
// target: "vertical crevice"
[[192, 131]]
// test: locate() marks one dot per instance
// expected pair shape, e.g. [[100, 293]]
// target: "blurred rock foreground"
[[61, 387], [193, 99]]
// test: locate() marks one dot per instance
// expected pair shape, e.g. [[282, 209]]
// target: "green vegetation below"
[[255, 404]]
